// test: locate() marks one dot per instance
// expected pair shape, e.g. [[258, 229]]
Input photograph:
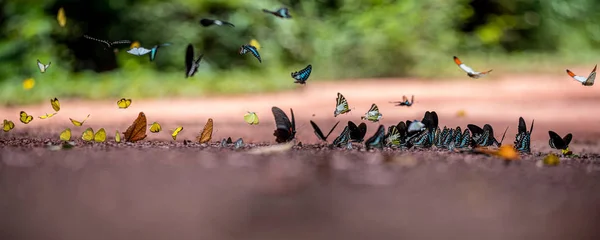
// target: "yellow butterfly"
[[251, 118], [61, 17], [47, 115], [255, 43], [117, 137], [55, 104], [88, 135], [206, 134], [177, 130], [100, 136], [135, 44], [137, 130], [65, 135], [124, 103], [25, 118], [28, 83], [8, 125], [155, 127], [78, 123]]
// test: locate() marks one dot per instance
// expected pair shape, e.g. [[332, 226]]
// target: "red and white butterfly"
[[589, 81], [469, 70]]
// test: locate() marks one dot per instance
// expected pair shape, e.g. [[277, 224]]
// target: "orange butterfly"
[[206, 134], [137, 130]]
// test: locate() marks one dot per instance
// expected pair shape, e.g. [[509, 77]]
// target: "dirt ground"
[[164, 189]]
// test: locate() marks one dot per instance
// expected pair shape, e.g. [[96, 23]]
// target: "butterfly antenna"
[[503, 135]]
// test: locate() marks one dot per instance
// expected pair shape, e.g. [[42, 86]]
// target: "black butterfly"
[[376, 141], [485, 137], [523, 138], [343, 138], [357, 133], [286, 130], [209, 22], [422, 139], [107, 43], [557, 142], [319, 133], [430, 120], [402, 129], [405, 101], [191, 65], [282, 13]]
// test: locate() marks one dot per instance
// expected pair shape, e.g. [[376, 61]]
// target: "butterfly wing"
[[206, 22], [55, 104], [177, 130], [555, 141], [343, 138], [334, 126], [117, 136], [284, 131], [88, 135], [189, 61], [41, 66], [124, 103], [100, 135], [206, 134], [283, 13], [65, 135], [254, 52], [61, 17], [464, 67], [341, 105], [302, 75], [357, 133], [567, 140], [155, 127], [318, 131], [376, 141], [24, 118], [137, 130]]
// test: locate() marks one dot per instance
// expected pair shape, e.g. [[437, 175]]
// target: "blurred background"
[[342, 39]]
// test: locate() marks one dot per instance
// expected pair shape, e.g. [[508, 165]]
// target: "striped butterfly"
[[373, 114], [252, 49], [302, 75], [585, 81], [523, 138], [470, 72], [393, 136], [343, 138], [341, 105]]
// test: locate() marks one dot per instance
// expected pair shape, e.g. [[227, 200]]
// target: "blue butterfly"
[[246, 47], [302, 75], [154, 50], [282, 13]]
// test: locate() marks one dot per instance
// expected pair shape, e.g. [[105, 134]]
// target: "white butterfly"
[[138, 51], [416, 126], [42, 66], [469, 70], [589, 81]]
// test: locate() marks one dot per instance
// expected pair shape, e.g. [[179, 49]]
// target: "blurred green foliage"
[[340, 38]]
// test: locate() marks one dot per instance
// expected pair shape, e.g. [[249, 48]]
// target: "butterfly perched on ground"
[[65, 135], [373, 114], [238, 143], [175, 132], [470, 71], [557, 142], [282, 12], [252, 49], [376, 141], [392, 138], [42, 66], [343, 138], [124, 103], [209, 22], [523, 138], [341, 105], [357, 133], [78, 123], [319, 133], [251, 118], [585, 81], [285, 130], [484, 137], [25, 118], [138, 51], [117, 136], [154, 50], [137, 130], [206, 133], [107, 43], [405, 101], [7, 125], [155, 127], [47, 116], [61, 17], [302, 75], [191, 65], [55, 104], [88, 135]]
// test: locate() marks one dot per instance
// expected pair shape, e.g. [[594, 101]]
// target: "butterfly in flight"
[[155, 127], [55, 104], [138, 51], [154, 50], [43, 67], [175, 132], [209, 22], [470, 71], [78, 123], [319, 133], [25, 118], [302, 75], [341, 105], [124, 103], [285, 130], [251, 118], [252, 49], [206, 133], [282, 12], [8, 125], [557, 142], [137, 130], [585, 81], [191, 65], [405, 101], [373, 114], [61, 17], [107, 43]]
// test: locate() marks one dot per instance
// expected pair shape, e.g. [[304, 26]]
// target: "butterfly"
[[42, 66], [107, 43], [154, 50], [403, 130], [65, 135], [206, 133], [376, 141], [470, 71], [7, 125], [138, 51], [343, 138], [255, 43], [405, 101], [61, 17], [209, 22], [24, 118], [137, 130], [251, 118], [341, 105], [392, 138], [302, 75], [135, 44], [282, 12], [285, 130], [319, 133], [100, 135], [440, 136], [484, 137], [47, 116], [55, 104], [415, 127], [585, 81], [155, 127], [557, 142], [238, 143], [117, 136], [373, 114], [124, 103], [523, 138], [78, 123], [422, 139], [175, 132], [191, 65], [88, 135], [249, 48], [357, 133]]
